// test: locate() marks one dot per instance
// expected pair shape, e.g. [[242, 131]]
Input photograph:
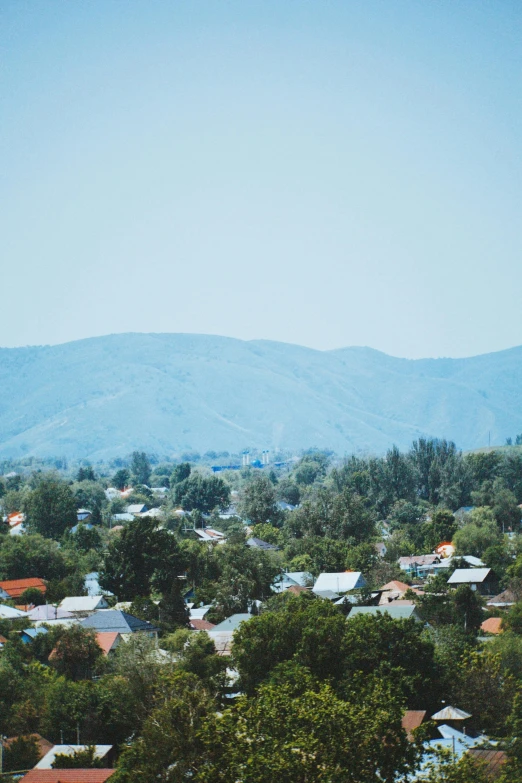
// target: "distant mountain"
[[167, 393]]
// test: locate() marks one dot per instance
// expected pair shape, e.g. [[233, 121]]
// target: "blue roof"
[[118, 621], [33, 632], [231, 623]]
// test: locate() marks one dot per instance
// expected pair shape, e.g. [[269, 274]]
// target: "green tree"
[[201, 493], [170, 748], [301, 731], [32, 596], [85, 758], [140, 467], [121, 478], [258, 503], [50, 508], [480, 532], [20, 753], [180, 473], [23, 557], [141, 556], [76, 653]]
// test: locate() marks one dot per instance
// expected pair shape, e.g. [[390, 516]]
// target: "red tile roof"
[[67, 776], [3, 640], [492, 625], [296, 589], [106, 640], [15, 587], [201, 625]]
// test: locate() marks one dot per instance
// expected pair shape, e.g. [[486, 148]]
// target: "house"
[[92, 585], [29, 634], [3, 641], [15, 522], [492, 625], [48, 612], [480, 579], [283, 506], [122, 517], [452, 714], [490, 761], [209, 534], [67, 776], [101, 752], [297, 589], [199, 612], [222, 633], [13, 588], [83, 605], [395, 612], [380, 548], [291, 579], [81, 525], [8, 613], [392, 591], [108, 641], [201, 625], [341, 582], [411, 720], [503, 600], [450, 562], [412, 563], [257, 543], [121, 622], [136, 508], [44, 746], [82, 514]]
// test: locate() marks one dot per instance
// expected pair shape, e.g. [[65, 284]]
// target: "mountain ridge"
[[103, 396]]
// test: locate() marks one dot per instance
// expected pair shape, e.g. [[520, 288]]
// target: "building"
[[13, 588], [339, 583], [101, 752], [67, 776], [403, 612], [480, 579], [83, 605], [119, 622]]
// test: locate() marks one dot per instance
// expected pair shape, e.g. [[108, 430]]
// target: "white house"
[[341, 582]]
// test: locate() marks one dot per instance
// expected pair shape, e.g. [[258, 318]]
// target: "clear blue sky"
[[322, 172]]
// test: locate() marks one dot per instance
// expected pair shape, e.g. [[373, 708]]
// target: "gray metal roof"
[[466, 576], [395, 612]]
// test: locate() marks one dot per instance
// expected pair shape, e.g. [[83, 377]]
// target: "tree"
[[201, 493], [468, 607], [300, 730], [22, 557], [170, 747], [32, 596], [141, 556], [441, 528], [140, 467], [512, 621], [50, 508], [180, 473], [480, 532], [76, 653], [86, 474], [85, 758], [258, 504], [20, 753], [121, 478]]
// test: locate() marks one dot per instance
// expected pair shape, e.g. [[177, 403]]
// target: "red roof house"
[[108, 641], [201, 625], [492, 625], [14, 588], [67, 776]]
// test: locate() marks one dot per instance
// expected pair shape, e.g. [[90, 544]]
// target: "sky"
[[321, 172]]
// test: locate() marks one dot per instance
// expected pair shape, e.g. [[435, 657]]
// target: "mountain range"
[[168, 393]]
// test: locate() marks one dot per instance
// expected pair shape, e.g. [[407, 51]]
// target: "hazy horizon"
[[254, 339], [321, 174]]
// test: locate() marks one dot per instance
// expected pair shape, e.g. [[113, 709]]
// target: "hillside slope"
[[169, 392]]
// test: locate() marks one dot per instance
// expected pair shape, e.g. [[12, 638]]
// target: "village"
[[227, 585]]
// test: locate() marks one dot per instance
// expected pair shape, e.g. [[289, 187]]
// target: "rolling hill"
[[166, 393]]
